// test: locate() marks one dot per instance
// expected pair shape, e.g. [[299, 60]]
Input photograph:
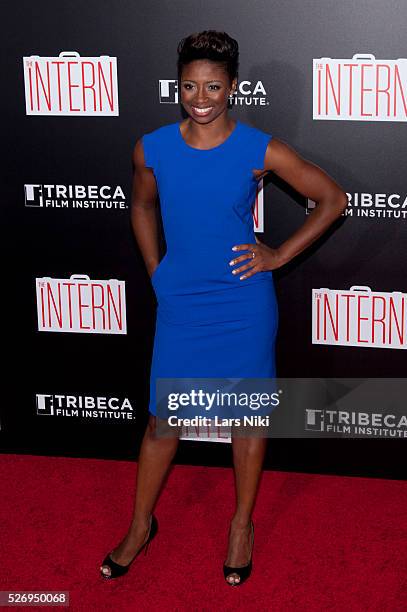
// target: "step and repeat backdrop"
[[84, 81]]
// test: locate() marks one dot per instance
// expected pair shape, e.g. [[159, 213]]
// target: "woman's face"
[[205, 85]]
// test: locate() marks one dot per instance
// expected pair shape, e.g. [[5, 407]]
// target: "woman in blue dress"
[[217, 313]]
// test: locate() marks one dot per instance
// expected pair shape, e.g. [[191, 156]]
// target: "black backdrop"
[[278, 43]]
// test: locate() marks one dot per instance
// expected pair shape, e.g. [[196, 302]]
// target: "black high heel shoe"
[[244, 571], [116, 569]]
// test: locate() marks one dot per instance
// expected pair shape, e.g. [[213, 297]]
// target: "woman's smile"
[[202, 112]]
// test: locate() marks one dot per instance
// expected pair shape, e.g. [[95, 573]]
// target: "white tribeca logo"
[[74, 196], [248, 93]]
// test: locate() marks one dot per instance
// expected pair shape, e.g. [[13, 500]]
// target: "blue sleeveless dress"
[[209, 322]]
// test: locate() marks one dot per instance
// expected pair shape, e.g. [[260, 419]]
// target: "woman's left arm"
[[311, 181]]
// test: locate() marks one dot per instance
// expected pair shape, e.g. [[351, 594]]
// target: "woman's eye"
[[189, 86]]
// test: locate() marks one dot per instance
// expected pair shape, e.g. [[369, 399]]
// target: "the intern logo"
[[81, 305], [361, 88], [71, 85], [359, 317]]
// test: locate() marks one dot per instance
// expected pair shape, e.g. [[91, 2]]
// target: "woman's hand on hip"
[[265, 258]]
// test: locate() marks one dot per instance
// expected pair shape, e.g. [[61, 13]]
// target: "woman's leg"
[[156, 454], [248, 457]]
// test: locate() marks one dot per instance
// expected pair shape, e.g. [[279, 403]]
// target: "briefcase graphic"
[[362, 88], [81, 305], [359, 317], [71, 85]]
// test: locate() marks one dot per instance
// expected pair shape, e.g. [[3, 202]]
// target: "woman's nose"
[[201, 96]]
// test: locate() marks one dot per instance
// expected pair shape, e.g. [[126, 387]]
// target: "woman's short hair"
[[211, 45]]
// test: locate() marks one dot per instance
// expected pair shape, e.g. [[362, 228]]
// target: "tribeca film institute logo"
[[84, 406], [371, 206], [248, 93], [106, 197], [350, 423]]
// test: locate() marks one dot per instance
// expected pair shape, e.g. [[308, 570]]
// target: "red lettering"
[[91, 86], [98, 306], [384, 91], [38, 78], [327, 308], [397, 80], [69, 285], [363, 89], [337, 101], [350, 66], [348, 297], [81, 306], [58, 314], [101, 77], [400, 332], [31, 87], [58, 65], [360, 318], [110, 299], [71, 86], [381, 320]]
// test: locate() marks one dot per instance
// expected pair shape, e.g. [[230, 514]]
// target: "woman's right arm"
[[143, 209]]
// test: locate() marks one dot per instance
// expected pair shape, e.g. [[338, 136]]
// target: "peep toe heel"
[[116, 569], [243, 571]]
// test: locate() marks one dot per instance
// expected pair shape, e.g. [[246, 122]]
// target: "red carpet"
[[321, 542]]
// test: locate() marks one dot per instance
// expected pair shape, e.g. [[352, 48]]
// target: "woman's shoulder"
[[251, 130], [161, 131], [157, 143]]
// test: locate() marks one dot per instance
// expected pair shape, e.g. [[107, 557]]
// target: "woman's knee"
[[159, 428], [151, 428]]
